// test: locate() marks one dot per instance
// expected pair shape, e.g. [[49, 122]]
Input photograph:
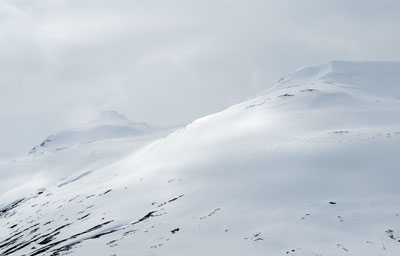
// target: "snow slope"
[[310, 167], [102, 141]]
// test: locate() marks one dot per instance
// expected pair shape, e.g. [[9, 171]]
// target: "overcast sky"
[[168, 61]]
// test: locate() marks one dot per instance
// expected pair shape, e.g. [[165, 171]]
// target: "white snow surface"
[[310, 167]]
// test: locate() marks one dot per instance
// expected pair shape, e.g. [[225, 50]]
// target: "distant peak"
[[107, 125]]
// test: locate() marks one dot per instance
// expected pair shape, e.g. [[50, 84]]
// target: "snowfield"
[[309, 167]]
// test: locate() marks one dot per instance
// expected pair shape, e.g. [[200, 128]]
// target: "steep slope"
[[307, 168]]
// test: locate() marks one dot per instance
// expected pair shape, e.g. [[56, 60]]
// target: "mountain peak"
[[111, 117], [380, 78], [107, 125]]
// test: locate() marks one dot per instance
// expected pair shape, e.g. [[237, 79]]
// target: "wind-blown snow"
[[308, 168]]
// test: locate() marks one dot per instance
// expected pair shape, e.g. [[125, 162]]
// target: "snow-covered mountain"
[[108, 125], [310, 167]]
